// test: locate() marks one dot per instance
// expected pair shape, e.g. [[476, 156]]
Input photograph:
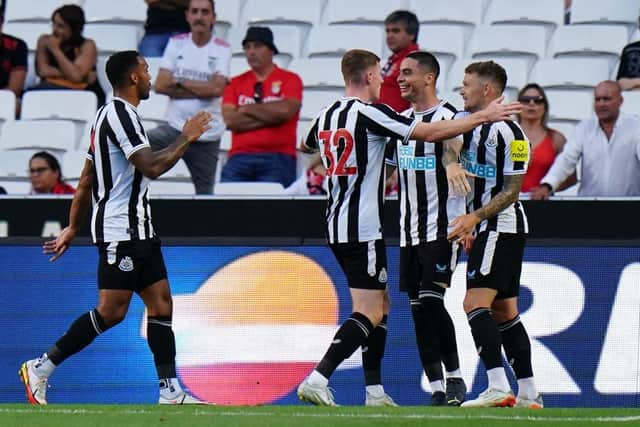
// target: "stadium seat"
[[30, 32], [110, 38], [56, 136], [618, 12], [260, 12], [361, 11], [7, 106], [102, 75], [154, 110], [238, 65], [631, 102], [452, 98], [566, 128], [227, 16], [154, 66], [33, 11], [176, 180], [588, 41], [72, 165], [313, 101], [115, 11], [547, 13], [569, 105], [248, 189], [335, 40], [570, 73], [76, 105], [446, 42], [319, 73], [508, 41], [14, 171], [517, 74], [466, 13]]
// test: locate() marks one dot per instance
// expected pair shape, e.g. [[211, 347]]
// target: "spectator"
[[13, 61], [629, 69], [567, 12], [46, 175], [401, 28], [165, 19], [65, 59], [313, 182], [193, 73], [609, 146], [261, 108], [546, 143]]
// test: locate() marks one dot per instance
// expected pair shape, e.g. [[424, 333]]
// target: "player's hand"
[[60, 245], [195, 126], [496, 111], [462, 227], [540, 193], [457, 179]]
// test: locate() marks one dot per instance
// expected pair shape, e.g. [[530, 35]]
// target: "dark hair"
[[51, 160], [355, 62], [213, 6], [119, 65], [490, 70], [426, 61], [545, 101], [73, 16], [409, 19]]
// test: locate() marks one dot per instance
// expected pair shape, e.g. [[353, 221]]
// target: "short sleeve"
[[311, 136], [128, 130], [20, 56], [517, 150], [292, 87], [223, 65], [229, 96], [390, 152], [384, 121]]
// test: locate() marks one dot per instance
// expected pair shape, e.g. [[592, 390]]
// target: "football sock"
[[498, 379], [517, 347], [44, 367], [162, 343], [427, 341], [352, 334], [486, 337], [79, 335], [437, 386], [527, 388], [373, 352], [454, 374], [433, 303]]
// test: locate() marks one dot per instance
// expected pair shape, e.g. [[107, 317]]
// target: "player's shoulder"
[[221, 42], [510, 128], [180, 37], [446, 109]]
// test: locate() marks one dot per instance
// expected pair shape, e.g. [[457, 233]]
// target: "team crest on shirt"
[[126, 264], [276, 87], [382, 276]]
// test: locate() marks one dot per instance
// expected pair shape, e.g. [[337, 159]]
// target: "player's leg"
[[482, 288], [115, 283], [153, 288], [367, 294]]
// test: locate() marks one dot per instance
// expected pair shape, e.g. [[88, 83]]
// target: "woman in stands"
[[546, 143], [46, 175], [65, 59]]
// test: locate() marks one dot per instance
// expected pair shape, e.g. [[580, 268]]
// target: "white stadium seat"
[[361, 11], [506, 41], [620, 12], [447, 42], [29, 32], [227, 16], [631, 102], [15, 163], [539, 12], [110, 38], [115, 11], [53, 135], [305, 12], [314, 101], [565, 128], [248, 188], [458, 12], [154, 109], [588, 40], [7, 106], [33, 11], [570, 73], [72, 165], [238, 65], [335, 40], [319, 73], [569, 105], [76, 105]]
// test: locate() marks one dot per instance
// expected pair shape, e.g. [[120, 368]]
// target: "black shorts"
[[364, 263], [495, 262], [131, 265], [427, 263]]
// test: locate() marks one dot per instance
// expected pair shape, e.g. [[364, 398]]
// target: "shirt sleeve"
[[168, 61], [229, 95], [19, 60], [384, 121], [565, 162], [311, 136], [127, 129], [517, 149], [292, 87], [223, 65], [390, 152]]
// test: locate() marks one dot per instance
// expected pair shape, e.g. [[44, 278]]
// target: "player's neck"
[[130, 96], [426, 102], [360, 92]]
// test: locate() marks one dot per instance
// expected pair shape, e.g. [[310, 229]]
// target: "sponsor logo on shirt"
[[407, 159], [468, 160], [519, 150]]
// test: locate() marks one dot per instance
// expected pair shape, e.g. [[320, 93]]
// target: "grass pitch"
[[283, 416]]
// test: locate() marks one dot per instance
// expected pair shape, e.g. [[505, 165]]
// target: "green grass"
[[282, 416]]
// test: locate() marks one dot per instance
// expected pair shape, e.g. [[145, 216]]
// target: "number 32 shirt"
[[351, 136]]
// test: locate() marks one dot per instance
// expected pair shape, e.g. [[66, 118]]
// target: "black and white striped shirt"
[[425, 206], [491, 152], [351, 136], [121, 208]]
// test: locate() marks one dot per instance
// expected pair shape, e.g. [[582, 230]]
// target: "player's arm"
[[272, 113], [309, 142], [154, 163], [79, 209], [456, 174], [464, 225], [445, 129]]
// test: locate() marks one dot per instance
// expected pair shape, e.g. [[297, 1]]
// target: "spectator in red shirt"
[[401, 28], [46, 175], [13, 61], [261, 108]]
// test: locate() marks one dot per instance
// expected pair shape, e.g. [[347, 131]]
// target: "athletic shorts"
[[495, 262], [364, 263], [427, 263], [131, 265]]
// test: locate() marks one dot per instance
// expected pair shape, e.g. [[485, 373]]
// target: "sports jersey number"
[[334, 138]]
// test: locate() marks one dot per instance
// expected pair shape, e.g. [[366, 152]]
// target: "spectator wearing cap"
[[261, 108]]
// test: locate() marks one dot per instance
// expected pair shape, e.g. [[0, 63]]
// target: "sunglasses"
[[528, 99], [38, 170], [257, 92]]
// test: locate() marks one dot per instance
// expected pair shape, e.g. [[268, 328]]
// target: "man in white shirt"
[[193, 73], [609, 146]]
